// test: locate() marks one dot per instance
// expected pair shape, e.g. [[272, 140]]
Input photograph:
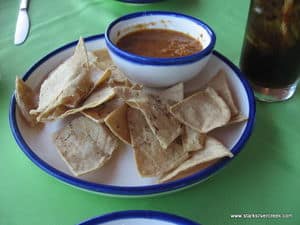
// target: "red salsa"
[[159, 43]]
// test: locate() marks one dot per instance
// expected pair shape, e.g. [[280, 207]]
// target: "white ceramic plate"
[[139, 217], [120, 176]]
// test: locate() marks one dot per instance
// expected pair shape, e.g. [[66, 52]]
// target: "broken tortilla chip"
[[202, 111], [220, 85], [192, 140], [67, 85], [99, 113], [213, 149], [26, 100], [151, 158], [84, 145], [118, 124], [98, 97]]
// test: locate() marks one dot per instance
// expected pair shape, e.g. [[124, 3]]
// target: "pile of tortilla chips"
[[168, 131]]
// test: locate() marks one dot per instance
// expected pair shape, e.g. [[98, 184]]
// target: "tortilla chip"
[[129, 94], [84, 145], [155, 109], [104, 77], [54, 114], [165, 127], [213, 149], [118, 78], [174, 93], [192, 140], [239, 118], [151, 158], [118, 124], [104, 61], [220, 85], [92, 59], [191, 171], [202, 111], [137, 92], [137, 86], [100, 94], [26, 100], [99, 113], [67, 85], [97, 98], [96, 71]]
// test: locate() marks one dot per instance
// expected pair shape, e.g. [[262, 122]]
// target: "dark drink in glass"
[[271, 52]]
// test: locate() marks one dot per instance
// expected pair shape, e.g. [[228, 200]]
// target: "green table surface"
[[263, 179]]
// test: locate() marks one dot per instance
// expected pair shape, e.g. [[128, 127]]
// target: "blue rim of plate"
[[139, 214], [160, 61], [124, 190], [139, 1]]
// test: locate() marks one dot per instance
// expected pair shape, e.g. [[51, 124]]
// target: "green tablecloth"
[[263, 179]]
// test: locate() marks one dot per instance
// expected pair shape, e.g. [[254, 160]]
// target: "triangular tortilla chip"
[[67, 85], [98, 97], [26, 100], [192, 140], [151, 158], [165, 127], [99, 113], [155, 109], [220, 85], [202, 111], [174, 93], [84, 145], [213, 150], [118, 124]]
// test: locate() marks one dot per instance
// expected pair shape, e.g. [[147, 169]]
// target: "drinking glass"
[[270, 56]]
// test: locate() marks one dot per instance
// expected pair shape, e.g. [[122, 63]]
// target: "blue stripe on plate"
[[123, 190], [139, 214], [139, 1]]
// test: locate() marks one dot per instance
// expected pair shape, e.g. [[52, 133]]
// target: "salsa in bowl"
[[159, 49]]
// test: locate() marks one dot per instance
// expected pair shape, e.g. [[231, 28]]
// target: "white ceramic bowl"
[[160, 72]]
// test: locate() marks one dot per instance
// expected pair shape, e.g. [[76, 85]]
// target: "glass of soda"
[[270, 56]]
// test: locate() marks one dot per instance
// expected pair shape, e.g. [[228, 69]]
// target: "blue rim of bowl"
[[125, 190], [139, 214], [139, 1], [160, 61]]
